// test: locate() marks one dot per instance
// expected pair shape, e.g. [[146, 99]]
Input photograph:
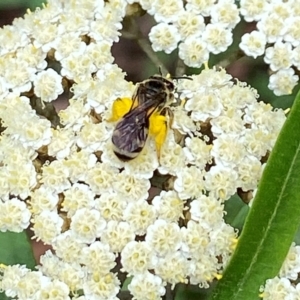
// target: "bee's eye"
[[155, 84]]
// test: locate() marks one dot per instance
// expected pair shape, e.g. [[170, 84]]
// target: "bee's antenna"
[[160, 72], [182, 77]]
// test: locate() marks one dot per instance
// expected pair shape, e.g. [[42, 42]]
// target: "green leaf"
[[32, 4], [236, 212], [272, 222], [16, 249]]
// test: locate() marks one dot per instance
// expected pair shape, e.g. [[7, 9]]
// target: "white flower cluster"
[[184, 25], [284, 286], [277, 36], [93, 209], [182, 22]]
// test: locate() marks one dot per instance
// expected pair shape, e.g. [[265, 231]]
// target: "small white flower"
[[204, 105], [56, 289], [292, 34], [228, 150], [283, 82], [208, 211], [131, 186], [111, 206], [47, 226], [163, 237], [55, 176], [78, 196], [296, 57], [48, 85], [164, 37], [226, 13], [87, 225], [168, 206], [10, 276], [253, 43], [29, 284], [117, 235], [98, 257], [193, 51], [278, 287], [189, 183], [272, 26], [253, 10], [173, 268], [77, 66], [43, 198], [291, 265], [62, 141], [189, 24], [146, 286], [202, 7], [165, 11], [67, 247], [197, 152], [279, 56], [14, 215], [221, 182], [137, 258], [139, 215], [99, 286], [195, 238], [217, 38]]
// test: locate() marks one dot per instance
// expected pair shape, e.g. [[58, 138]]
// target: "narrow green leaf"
[[272, 222], [236, 212], [16, 249]]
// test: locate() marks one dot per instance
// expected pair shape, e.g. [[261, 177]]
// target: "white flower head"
[[253, 43], [292, 34], [200, 7], [87, 225], [140, 215], [163, 237], [194, 52], [111, 206], [99, 286], [47, 226], [189, 183], [169, 206], [48, 85], [14, 215], [164, 37], [189, 24], [166, 11], [152, 284], [217, 38], [137, 257], [78, 196], [253, 10], [225, 12], [283, 82], [272, 26], [98, 257], [117, 235], [279, 56], [278, 287]]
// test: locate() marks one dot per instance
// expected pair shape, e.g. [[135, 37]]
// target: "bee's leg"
[[168, 113], [159, 124], [120, 107]]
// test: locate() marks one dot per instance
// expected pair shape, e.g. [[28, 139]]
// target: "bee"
[[150, 98]]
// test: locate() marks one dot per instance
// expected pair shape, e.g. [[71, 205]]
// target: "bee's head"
[[159, 82]]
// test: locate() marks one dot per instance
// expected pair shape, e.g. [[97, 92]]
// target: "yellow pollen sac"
[[158, 129], [120, 107]]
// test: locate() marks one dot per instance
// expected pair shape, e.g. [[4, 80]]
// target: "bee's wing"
[[131, 132]]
